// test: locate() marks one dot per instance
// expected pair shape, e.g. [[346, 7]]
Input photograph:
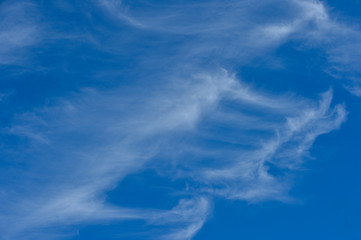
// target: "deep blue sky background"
[[180, 119]]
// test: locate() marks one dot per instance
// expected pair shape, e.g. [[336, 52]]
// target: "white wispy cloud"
[[241, 31], [19, 29], [242, 172], [189, 214], [92, 144], [77, 149]]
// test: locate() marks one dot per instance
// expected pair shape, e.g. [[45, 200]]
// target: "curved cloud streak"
[[188, 120], [88, 144]]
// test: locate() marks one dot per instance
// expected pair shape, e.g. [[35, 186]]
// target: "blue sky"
[[180, 120]]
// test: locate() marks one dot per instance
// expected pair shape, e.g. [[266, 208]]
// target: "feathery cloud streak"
[[19, 30], [241, 30], [124, 137], [200, 126]]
